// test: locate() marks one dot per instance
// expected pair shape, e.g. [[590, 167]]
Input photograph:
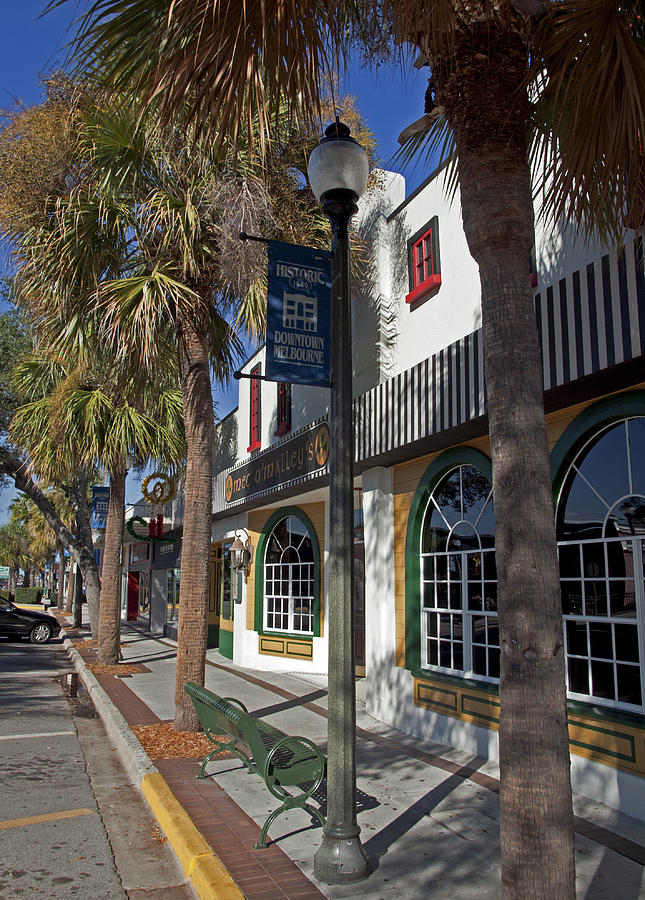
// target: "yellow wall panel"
[[615, 744]]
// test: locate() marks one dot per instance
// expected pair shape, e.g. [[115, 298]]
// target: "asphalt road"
[[71, 825]]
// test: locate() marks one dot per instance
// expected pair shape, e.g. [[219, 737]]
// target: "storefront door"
[[226, 600], [133, 596], [214, 599]]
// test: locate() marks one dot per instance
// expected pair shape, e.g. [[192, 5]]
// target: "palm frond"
[[224, 347], [36, 376], [590, 116], [211, 58], [434, 142]]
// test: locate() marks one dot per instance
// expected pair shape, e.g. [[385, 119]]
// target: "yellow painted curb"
[[208, 876]]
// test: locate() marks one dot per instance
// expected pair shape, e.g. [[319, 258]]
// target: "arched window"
[[459, 627], [601, 534], [290, 578]]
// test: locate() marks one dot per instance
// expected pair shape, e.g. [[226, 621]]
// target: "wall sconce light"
[[242, 554]]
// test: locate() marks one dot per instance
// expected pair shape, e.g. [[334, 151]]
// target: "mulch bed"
[[163, 742], [119, 669]]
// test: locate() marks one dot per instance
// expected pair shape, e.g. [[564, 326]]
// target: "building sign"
[[301, 455], [298, 315], [139, 552], [100, 501]]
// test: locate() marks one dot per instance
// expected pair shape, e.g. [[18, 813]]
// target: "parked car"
[[17, 622]]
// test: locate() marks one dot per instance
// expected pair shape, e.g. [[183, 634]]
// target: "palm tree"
[[40, 537], [14, 549], [43, 456], [518, 81], [166, 203], [118, 425], [98, 420]]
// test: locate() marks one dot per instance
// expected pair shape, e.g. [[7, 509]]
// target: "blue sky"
[[388, 99]]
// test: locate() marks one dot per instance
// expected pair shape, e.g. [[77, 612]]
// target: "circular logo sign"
[[321, 445], [229, 488]]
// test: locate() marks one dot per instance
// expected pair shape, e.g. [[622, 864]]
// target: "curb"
[[207, 874]]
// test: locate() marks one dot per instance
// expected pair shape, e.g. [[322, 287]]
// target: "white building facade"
[[424, 544]]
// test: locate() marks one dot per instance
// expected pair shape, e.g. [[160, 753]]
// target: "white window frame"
[[467, 615], [306, 573]]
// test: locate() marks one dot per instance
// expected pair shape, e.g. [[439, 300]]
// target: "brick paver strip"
[[131, 707], [231, 833]]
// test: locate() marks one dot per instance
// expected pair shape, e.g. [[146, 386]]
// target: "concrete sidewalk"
[[428, 814]]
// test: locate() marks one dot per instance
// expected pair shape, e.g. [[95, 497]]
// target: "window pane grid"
[[601, 582], [289, 597], [459, 603], [423, 259]]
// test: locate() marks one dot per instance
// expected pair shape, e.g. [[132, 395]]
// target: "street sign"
[[100, 501], [298, 347]]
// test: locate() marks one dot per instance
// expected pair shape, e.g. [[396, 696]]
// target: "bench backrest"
[[222, 717]]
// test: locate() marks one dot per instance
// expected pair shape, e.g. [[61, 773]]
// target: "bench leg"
[[206, 761], [290, 803], [262, 843], [228, 747]]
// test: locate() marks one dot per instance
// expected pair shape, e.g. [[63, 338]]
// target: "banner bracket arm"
[[252, 237]]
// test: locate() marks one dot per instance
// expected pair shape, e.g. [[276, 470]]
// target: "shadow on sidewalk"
[[379, 844], [288, 704]]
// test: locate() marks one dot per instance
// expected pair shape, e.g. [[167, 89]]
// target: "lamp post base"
[[340, 860]]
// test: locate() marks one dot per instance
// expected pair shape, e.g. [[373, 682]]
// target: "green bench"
[[281, 760]]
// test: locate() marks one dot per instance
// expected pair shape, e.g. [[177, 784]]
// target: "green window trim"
[[450, 459], [283, 513], [585, 425]]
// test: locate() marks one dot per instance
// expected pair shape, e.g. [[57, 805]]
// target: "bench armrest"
[[317, 764], [237, 702]]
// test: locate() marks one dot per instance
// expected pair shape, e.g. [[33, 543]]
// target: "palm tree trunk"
[[198, 421], [110, 603], [83, 549], [61, 575], [488, 110], [78, 598], [69, 602]]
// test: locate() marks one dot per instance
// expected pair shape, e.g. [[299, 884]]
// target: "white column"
[[378, 513]]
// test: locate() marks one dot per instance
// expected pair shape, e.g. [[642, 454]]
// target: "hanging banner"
[[298, 315], [100, 500]]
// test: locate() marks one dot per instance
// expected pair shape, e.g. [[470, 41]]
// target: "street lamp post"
[[338, 172]]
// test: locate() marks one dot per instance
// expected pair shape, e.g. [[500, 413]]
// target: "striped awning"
[[590, 321]]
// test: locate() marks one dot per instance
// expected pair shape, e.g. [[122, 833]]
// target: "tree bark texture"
[[83, 550], [486, 105], [69, 603], [110, 602], [199, 426], [78, 597], [61, 575]]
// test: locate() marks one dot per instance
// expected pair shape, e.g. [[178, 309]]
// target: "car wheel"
[[40, 633]]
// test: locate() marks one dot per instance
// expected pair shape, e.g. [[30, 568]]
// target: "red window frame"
[[254, 410], [283, 408], [424, 265]]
